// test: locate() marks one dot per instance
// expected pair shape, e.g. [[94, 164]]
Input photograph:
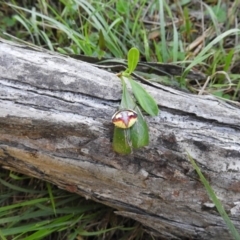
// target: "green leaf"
[[133, 59], [101, 41], [139, 132], [120, 142], [215, 200], [145, 100]]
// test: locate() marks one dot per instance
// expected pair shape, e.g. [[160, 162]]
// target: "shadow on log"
[[55, 124]]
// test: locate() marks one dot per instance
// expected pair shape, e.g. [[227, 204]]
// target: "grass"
[[33, 209], [201, 36]]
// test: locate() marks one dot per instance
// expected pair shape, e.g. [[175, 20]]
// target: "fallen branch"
[[55, 116]]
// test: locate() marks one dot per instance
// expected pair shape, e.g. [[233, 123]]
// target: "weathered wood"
[[55, 124]]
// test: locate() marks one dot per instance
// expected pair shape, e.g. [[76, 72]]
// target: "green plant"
[[31, 209], [137, 136]]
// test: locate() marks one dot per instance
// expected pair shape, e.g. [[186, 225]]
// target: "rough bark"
[[55, 124]]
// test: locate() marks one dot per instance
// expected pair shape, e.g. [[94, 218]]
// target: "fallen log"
[[55, 124]]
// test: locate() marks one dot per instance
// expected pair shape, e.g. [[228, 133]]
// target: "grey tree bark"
[[55, 124]]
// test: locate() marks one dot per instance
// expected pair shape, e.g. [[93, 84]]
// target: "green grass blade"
[[215, 200], [24, 23], [17, 188], [86, 233], [49, 188], [147, 49], [164, 46], [203, 54], [2, 236], [22, 204], [175, 44]]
